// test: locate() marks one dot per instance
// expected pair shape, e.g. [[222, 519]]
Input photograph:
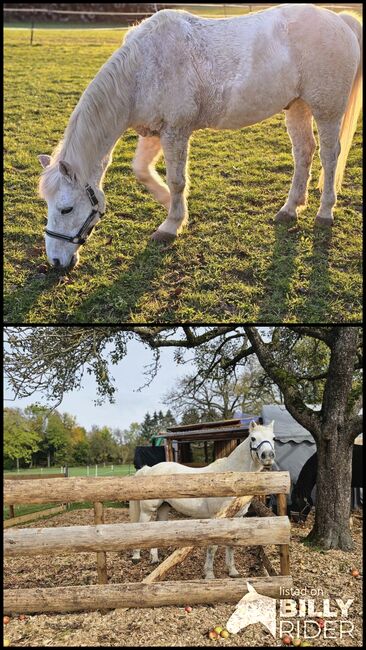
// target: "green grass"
[[231, 264], [118, 470]]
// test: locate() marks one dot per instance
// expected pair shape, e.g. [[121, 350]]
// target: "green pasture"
[[118, 470], [230, 264]]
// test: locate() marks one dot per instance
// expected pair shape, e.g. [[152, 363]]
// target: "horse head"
[[261, 439], [74, 208]]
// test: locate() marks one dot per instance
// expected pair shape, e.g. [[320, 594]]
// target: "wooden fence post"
[[284, 548], [101, 555]]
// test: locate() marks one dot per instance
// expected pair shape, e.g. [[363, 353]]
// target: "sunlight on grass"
[[230, 264]]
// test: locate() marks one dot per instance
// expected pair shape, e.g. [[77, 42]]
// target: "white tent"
[[293, 444]]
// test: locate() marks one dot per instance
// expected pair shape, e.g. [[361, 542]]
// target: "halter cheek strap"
[[88, 225]]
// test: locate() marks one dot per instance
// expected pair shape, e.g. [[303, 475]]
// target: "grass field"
[[118, 470], [230, 264]]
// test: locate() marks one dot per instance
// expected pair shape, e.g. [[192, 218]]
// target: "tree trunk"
[[333, 494], [48, 459], [18, 464]]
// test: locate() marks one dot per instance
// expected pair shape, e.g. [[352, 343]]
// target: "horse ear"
[[44, 160], [252, 425], [66, 170]]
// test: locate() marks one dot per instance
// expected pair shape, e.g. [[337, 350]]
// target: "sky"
[[130, 405]]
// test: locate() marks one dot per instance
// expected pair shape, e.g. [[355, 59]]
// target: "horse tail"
[[350, 118]]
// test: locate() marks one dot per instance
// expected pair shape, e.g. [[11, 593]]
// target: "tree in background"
[[20, 439], [54, 359], [223, 393], [102, 445], [152, 425]]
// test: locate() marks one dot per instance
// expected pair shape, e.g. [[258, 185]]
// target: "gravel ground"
[[172, 626]]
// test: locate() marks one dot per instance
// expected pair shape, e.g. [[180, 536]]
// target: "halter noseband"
[[258, 446], [86, 229]]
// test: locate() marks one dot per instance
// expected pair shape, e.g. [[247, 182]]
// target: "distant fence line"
[[158, 7]]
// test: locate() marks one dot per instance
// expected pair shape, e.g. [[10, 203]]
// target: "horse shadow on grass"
[[118, 301], [279, 276], [316, 306], [285, 284], [114, 302]]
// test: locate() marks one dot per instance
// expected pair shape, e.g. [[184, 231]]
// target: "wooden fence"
[[13, 520], [186, 535]]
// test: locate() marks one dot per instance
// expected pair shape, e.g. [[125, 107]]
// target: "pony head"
[[261, 438], [74, 208]]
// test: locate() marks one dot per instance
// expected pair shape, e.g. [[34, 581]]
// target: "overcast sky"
[[130, 405]]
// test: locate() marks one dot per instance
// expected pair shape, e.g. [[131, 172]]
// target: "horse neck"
[[97, 122], [240, 460]]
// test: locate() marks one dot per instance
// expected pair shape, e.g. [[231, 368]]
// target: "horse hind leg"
[[330, 148], [299, 122], [210, 556], [145, 515], [162, 515], [230, 563], [148, 152]]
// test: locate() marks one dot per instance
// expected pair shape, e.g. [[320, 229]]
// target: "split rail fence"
[[185, 535]]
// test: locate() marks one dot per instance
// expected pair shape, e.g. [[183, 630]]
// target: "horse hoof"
[[162, 236], [324, 222], [285, 217], [210, 576], [234, 575], [135, 560]]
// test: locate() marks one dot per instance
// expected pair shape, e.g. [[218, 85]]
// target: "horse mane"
[[105, 100]]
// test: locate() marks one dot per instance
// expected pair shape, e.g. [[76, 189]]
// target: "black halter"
[[258, 446], [88, 225]]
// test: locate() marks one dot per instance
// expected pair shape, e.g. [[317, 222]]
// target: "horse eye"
[[66, 210], [253, 438]]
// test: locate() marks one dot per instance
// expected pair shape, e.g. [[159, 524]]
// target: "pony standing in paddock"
[[252, 455], [177, 73]]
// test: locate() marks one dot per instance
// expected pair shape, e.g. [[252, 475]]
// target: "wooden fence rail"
[[162, 534], [138, 594], [147, 487]]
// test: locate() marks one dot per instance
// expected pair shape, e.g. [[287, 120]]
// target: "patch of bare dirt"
[[171, 626]]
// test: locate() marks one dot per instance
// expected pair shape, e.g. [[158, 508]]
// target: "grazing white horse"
[[252, 455], [177, 73]]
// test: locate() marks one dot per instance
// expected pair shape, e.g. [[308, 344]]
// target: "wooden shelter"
[[225, 435]]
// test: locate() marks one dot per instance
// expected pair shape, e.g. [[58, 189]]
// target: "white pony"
[[177, 73], [252, 455]]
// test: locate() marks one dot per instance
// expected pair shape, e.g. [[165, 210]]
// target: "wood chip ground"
[[172, 626]]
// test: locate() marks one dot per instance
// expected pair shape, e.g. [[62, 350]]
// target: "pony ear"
[[44, 160], [252, 425], [66, 170]]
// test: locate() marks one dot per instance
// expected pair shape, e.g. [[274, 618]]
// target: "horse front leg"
[[175, 148], [230, 563], [210, 556]]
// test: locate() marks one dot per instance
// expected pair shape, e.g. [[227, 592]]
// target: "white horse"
[[177, 73], [252, 455]]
